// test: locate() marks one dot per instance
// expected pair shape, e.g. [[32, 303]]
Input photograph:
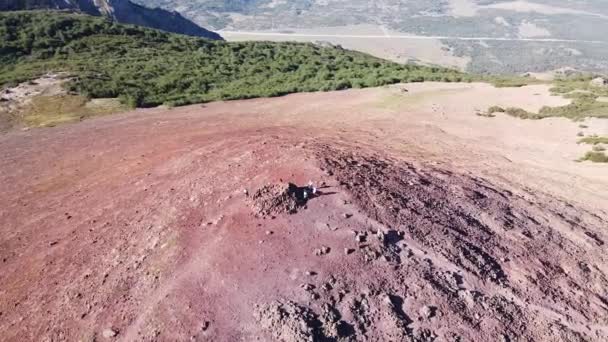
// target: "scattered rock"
[[599, 82], [307, 287], [277, 199], [322, 250], [109, 333], [360, 237], [205, 325], [288, 322], [427, 311]]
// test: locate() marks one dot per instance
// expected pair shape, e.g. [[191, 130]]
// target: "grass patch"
[[584, 98], [580, 91], [512, 81], [520, 113], [495, 109], [584, 104], [596, 157], [48, 111], [598, 148], [490, 113], [594, 140]]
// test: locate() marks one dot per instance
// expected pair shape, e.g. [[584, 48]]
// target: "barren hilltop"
[[159, 187]]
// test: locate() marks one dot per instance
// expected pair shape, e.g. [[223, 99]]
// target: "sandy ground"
[[429, 223]]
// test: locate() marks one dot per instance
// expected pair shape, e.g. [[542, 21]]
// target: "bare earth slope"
[[429, 223]]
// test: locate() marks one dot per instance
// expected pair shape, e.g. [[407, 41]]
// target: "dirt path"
[[430, 223]]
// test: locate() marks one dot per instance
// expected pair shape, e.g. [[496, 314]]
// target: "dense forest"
[[146, 67]]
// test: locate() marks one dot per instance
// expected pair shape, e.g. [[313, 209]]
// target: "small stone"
[[268, 232], [311, 273], [322, 251], [307, 287], [246, 192], [348, 251], [426, 312], [109, 333], [347, 216], [360, 238]]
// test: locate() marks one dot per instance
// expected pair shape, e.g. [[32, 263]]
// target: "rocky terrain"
[[122, 11], [361, 215]]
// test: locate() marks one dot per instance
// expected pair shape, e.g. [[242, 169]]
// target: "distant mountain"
[[122, 11]]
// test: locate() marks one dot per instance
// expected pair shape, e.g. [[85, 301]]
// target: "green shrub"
[[598, 148], [594, 140], [495, 109], [596, 157], [520, 113]]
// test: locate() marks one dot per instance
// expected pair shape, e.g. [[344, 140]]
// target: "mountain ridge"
[[122, 11]]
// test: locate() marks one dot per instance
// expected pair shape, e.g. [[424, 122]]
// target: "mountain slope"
[[516, 36], [148, 67], [123, 11]]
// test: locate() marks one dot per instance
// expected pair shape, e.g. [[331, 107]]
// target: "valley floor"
[[430, 223]]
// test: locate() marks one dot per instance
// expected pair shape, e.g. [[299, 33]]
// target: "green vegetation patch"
[[521, 113], [495, 109], [46, 111], [585, 101], [596, 157], [594, 140], [512, 81], [598, 148], [145, 67], [584, 98]]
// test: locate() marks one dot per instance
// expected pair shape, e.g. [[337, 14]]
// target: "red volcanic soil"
[[151, 226]]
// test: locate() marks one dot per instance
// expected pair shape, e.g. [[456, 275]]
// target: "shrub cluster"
[[145, 67]]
